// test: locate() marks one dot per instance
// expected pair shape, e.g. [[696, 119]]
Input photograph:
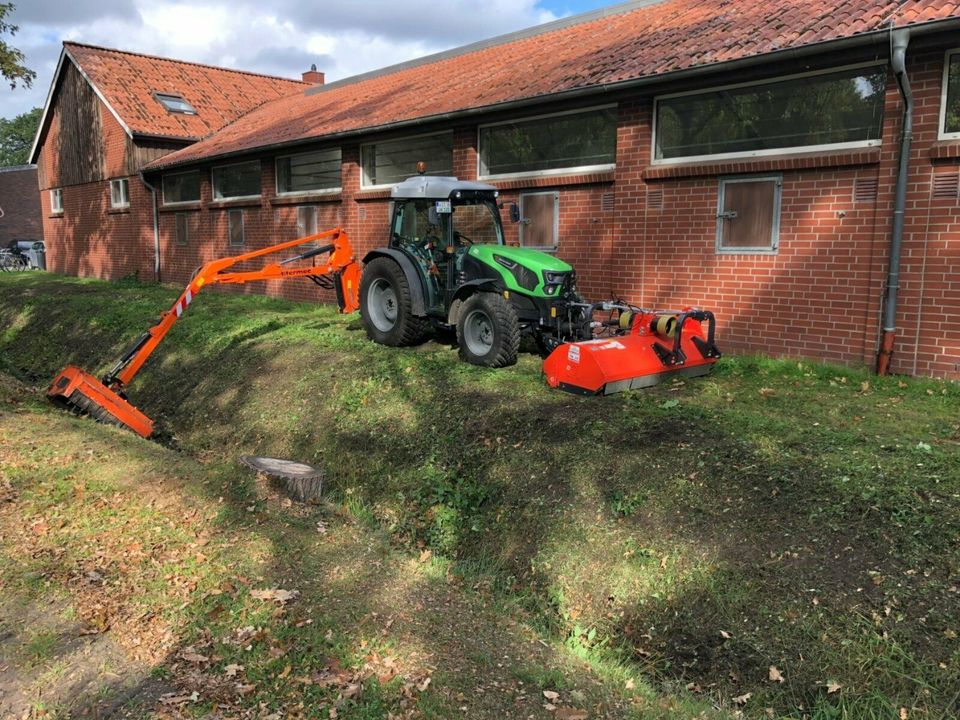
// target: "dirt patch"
[[52, 666]]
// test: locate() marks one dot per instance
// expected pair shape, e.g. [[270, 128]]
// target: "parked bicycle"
[[12, 260]]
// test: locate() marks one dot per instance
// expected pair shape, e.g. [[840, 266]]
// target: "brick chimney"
[[312, 76]]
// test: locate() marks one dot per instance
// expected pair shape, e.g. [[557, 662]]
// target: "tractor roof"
[[439, 188]]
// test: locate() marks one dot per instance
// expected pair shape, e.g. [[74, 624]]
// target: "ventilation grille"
[[865, 190], [946, 186], [655, 199], [606, 202]]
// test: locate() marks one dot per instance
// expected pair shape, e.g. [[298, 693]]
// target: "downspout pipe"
[[899, 40], [156, 227]]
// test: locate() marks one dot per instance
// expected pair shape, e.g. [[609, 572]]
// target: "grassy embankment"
[[779, 538]]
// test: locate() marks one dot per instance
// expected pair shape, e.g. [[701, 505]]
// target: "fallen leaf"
[[833, 687], [275, 594], [231, 670], [425, 555], [742, 699], [285, 672], [549, 707], [630, 684], [194, 657], [551, 695], [775, 675], [724, 634], [904, 715], [568, 713], [767, 392]]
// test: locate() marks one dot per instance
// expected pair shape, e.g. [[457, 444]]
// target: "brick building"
[[19, 205], [738, 156]]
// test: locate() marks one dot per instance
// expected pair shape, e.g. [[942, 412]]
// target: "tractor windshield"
[[477, 222]]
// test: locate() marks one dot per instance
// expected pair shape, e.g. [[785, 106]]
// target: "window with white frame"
[[56, 200], [577, 141], [239, 180], [119, 194], [834, 110], [392, 161], [182, 228], [182, 187], [540, 219], [235, 227], [950, 104], [748, 214], [309, 172]]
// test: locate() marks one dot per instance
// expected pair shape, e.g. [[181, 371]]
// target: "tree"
[[16, 137], [11, 59]]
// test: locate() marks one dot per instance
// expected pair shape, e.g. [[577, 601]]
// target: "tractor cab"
[[436, 220]]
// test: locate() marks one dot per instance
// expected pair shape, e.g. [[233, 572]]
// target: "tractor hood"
[[535, 260]]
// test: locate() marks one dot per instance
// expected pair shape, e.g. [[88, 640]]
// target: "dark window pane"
[[181, 187], [175, 103], [309, 172], [183, 228], [391, 162], [236, 227], [565, 141], [841, 107], [236, 180], [540, 212], [951, 123]]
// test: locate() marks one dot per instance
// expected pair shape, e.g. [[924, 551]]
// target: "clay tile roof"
[[128, 81], [635, 40]]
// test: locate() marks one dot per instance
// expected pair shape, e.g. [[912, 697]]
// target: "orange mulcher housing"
[[105, 400], [644, 348]]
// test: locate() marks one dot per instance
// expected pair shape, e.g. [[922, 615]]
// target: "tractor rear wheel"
[[386, 305], [488, 332]]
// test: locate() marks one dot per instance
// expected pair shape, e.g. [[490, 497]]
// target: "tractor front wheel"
[[386, 307], [488, 332]]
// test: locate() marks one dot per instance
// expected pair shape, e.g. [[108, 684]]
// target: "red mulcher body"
[[646, 347]]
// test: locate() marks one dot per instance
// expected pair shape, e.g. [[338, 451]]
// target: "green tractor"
[[447, 267]]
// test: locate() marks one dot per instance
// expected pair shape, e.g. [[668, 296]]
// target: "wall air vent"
[[946, 186], [655, 198], [865, 190]]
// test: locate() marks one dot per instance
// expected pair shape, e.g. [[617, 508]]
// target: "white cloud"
[[283, 38]]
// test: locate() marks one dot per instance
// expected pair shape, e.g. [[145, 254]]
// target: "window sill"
[[306, 198], [119, 211], [55, 214], [591, 178], [806, 161], [237, 203], [383, 194], [945, 150], [180, 207]]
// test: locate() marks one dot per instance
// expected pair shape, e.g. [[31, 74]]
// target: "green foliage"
[[11, 59], [16, 137]]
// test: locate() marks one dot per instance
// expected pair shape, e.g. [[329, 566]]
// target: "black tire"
[[488, 332], [386, 306]]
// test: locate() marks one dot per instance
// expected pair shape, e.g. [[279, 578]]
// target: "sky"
[[282, 38]]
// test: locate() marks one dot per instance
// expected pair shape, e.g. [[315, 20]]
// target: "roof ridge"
[[522, 34], [183, 62]]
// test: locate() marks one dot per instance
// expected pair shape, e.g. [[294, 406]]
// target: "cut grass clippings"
[[691, 538]]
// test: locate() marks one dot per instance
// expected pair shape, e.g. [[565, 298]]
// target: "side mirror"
[[514, 213], [432, 216]]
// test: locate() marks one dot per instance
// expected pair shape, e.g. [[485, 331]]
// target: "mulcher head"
[[651, 347], [80, 391]]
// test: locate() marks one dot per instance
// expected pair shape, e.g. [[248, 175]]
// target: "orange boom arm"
[[105, 399]]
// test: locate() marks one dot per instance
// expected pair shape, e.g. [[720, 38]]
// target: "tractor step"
[[81, 392]]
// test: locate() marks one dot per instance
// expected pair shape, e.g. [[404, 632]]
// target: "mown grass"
[[775, 514]]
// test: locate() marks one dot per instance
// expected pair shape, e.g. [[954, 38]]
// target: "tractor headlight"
[[554, 281]]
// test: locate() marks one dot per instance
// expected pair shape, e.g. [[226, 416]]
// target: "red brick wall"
[[89, 238], [19, 205]]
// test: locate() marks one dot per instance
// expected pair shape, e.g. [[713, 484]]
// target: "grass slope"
[[777, 539]]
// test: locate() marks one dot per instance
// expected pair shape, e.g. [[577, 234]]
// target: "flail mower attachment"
[[105, 400], [640, 349]]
